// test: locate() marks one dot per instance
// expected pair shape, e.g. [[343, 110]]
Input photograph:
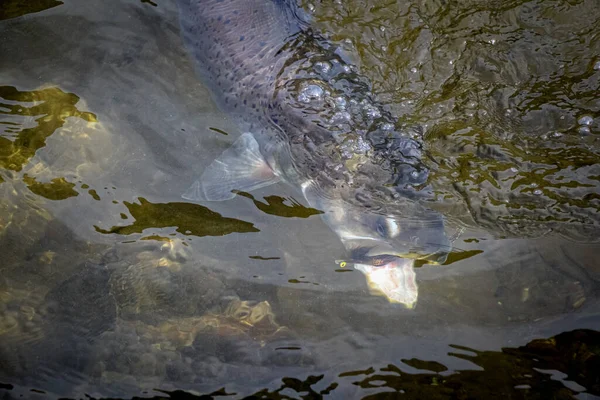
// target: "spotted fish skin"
[[316, 123], [235, 45], [255, 56]]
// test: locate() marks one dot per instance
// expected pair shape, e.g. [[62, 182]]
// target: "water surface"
[[112, 285]]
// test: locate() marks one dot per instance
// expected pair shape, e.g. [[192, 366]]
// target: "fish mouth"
[[389, 267], [375, 252], [393, 278]]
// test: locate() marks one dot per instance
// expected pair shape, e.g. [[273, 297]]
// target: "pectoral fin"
[[240, 167]]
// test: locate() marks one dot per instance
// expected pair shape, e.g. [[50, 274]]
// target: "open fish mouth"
[[392, 277], [376, 251]]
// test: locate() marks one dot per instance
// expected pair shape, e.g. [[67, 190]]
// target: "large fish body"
[[310, 121]]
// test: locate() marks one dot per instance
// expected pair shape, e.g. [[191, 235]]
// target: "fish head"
[[384, 242], [409, 231], [368, 235], [385, 247]]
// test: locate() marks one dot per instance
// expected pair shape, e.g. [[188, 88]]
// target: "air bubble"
[[311, 93], [413, 70], [323, 67], [340, 102], [382, 28], [585, 120], [584, 130], [354, 145], [311, 7], [372, 112], [340, 117], [537, 192], [362, 145], [597, 65]]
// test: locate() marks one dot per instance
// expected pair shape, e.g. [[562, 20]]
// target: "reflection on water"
[[541, 185], [507, 91], [264, 258], [57, 189], [190, 219], [275, 205], [16, 8], [112, 286], [29, 118], [150, 2], [456, 256], [559, 367]]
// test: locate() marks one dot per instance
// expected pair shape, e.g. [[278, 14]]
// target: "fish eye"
[[382, 228]]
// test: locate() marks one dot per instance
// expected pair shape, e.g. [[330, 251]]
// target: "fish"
[[310, 120]]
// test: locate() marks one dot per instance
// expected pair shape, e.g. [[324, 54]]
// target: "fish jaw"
[[395, 280]]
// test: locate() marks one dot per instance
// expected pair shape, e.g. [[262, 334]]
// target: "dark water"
[[111, 285]]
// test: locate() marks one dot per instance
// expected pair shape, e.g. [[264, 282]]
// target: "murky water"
[[112, 285]]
